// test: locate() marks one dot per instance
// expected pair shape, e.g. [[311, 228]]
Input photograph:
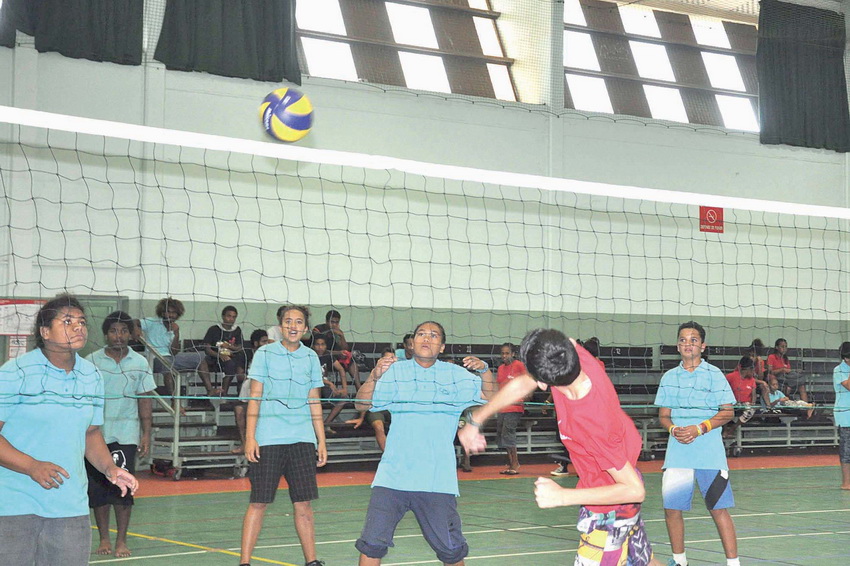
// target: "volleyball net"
[[123, 215]]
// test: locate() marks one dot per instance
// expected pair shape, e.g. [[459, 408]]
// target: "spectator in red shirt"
[[744, 386], [779, 367], [508, 419]]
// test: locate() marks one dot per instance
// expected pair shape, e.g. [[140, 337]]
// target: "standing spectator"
[[405, 353], [417, 471], [51, 410], [508, 419], [225, 350], [600, 435], [128, 384], [841, 382], [337, 344], [163, 334], [284, 435], [779, 368], [695, 402]]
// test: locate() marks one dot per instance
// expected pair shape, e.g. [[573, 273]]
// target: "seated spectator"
[[406, 353], [779, 368], [378, 420], [751, 352], [333, 376], [337, 344], [224, 347], [776, 398], [163, 334], [259, 338], [756, 350], [744, 387], [274, 332]]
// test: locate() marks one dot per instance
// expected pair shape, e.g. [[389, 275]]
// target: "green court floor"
[[783, 516]]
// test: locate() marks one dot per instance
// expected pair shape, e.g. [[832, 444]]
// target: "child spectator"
[[779, 367], [744, 387], [225, 350], [406, 353], [335, 388], [337, 344], [695, 401], [756, 350], [841, 382], [378, 420]]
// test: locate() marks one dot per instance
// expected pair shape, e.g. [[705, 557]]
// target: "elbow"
[[362, 406], [637, 493]]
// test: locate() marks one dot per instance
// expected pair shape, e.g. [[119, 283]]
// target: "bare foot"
[[238, 450], [845, 486], [104, 548], [121, 550]]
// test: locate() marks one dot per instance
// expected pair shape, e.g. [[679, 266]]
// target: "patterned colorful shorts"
[[616, 538]]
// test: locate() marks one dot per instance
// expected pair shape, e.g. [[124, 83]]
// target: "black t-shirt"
[[326, 362], [324, 330], [216, 334]]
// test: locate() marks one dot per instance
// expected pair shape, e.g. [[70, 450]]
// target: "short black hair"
[[50, 310], [257, 335], [844, 350], [300, 308], [280, 310], [696, 326], [746, 363], [117, 317], [229, 308], [550, 357], [407, 337], [592, 346], [319, 337], [387, 351], [332, 314], [435, 323]]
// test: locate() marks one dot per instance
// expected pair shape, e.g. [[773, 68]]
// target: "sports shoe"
[[561, 470], [672, 562], [747, 415], [315, 563]]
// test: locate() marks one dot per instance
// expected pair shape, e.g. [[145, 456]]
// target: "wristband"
[[707, 424], [482, 370], [671, 429], [699, 429], [471, 421]]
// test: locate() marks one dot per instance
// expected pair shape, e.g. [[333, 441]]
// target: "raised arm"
[[363, 399], [517, 389]]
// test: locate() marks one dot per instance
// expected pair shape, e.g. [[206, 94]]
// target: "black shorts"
[[378, 416], [295, 462], [101, 490]]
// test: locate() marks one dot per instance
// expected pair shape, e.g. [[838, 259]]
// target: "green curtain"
[[252, 39], [99, 30], [802, 89]]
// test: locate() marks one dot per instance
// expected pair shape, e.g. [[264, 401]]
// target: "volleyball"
[[287, 114]]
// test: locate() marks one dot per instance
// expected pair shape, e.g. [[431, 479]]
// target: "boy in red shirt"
[[602, 440]]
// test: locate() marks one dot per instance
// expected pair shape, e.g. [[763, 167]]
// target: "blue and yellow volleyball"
[[287, 114]]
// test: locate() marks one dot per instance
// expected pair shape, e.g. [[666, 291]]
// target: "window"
[[431, 45], [656, 64]]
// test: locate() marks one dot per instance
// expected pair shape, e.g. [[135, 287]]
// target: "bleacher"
[[635, 373]]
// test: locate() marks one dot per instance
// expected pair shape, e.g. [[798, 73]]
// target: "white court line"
[[112, 559]]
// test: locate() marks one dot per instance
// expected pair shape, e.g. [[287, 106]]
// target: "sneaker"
[[672, 562], [315, 563], [560, 471], [747, 415]]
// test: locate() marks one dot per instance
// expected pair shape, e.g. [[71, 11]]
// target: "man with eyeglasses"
[[417, 471]]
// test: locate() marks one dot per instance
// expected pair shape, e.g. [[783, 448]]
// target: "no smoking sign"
[[711, 219]]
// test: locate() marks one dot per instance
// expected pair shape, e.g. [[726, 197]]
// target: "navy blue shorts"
[[437, 516]]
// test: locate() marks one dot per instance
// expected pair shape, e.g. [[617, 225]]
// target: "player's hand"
[[252, 450], [120, 477], [47, 474], [383, 365], [321, 455], [356, 422], [686, 434], [473, 363], [549, 494], [471, 439], [174, 327]]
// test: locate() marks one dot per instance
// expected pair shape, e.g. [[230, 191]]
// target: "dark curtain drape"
[[802, 89], [98, 30], [252, 39]]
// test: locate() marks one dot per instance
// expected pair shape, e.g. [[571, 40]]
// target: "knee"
[[371, 550], [303, 508]]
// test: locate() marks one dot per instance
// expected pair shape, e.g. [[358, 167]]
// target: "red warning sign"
[[711, 219]]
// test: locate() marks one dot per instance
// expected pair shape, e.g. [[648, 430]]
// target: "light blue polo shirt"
[[774, 396], [426, 404], [157, 335], [287, 379], [694, 397], [122, 381], [46, 413], [841, 412]]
